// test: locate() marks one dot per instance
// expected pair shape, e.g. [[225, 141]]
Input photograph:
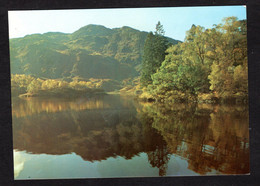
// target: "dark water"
[[115, 136]]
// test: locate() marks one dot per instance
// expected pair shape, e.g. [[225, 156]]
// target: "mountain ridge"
[[93, 51]]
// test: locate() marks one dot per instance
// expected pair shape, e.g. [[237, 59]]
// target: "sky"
[[175, 20]]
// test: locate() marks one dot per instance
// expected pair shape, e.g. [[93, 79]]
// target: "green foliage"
[[185, 68], [19, 83], [209, 60], [154, 54], [229, 70], [22, 84], [34, 86], [159, 29]]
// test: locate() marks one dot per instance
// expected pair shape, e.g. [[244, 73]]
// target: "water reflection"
[[210, 138], [32, 105]]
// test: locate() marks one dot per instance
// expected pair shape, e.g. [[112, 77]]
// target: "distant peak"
[[55, 33], [126, 27], [94, 25], [93, 30]]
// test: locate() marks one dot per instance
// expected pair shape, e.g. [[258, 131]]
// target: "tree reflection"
[[158, 155], [94, 133], [159, 158], [208, 137]]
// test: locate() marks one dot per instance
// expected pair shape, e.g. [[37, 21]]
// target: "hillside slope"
[[93, 51]]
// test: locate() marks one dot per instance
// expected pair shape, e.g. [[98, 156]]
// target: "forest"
[[209, 66]]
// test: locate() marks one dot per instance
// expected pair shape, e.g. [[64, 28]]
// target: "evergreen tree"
[[154, 54]]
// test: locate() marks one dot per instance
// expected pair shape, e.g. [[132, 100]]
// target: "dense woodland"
[[209, 66]]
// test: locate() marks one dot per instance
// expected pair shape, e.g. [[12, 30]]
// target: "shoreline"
[[207, 98], [68, 93]]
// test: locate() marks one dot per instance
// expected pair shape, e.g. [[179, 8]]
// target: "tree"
[[159, 29], [154, 54], [229, 69], [34, 86], [208, 60], [186, 67]]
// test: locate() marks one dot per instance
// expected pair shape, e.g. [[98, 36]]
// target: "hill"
[[93, 51]]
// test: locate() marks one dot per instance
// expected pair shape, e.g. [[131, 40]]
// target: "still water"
[[116, 136]]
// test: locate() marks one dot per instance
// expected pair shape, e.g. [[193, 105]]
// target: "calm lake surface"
[[116, 136]]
